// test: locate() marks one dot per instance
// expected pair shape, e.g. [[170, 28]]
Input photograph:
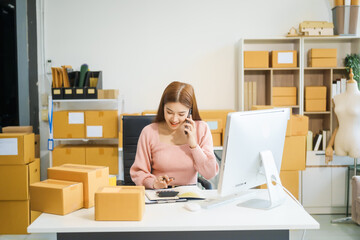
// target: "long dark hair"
[[178, 92]]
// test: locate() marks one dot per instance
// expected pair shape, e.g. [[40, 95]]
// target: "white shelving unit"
[[86, 104], [322, 187]]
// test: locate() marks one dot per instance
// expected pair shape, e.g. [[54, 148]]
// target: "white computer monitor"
[[247, 135]]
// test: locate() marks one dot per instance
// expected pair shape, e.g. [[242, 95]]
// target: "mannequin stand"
[[346, 219]]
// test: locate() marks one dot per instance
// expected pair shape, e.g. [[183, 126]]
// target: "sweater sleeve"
[[203, 154], [140, 171]]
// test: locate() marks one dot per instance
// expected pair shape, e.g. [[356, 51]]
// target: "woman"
[[178, 145]]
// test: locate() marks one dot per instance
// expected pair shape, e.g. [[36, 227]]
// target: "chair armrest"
[[205, 183]]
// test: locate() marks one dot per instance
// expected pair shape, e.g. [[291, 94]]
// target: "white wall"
[[142, 45]]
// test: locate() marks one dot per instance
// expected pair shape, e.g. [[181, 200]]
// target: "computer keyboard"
[[212, 203]]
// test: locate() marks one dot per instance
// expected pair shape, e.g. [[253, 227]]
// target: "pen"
[[172, 201]]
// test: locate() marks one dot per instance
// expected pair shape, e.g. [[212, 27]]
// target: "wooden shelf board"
[[327, 112]]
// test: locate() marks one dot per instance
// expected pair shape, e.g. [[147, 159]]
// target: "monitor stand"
[[275, 190]]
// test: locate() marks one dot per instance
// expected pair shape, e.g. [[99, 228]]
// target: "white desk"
[[172, 221]]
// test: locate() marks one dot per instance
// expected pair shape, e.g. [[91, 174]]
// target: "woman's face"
[[175, 114]]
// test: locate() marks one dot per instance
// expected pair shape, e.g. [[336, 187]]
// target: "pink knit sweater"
[[154, 158]]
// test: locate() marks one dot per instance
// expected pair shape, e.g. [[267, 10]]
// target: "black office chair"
[[132, 127]]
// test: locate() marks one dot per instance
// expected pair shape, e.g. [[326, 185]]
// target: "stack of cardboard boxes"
[[18, 169], [322, 57], [284, 96], [69, 188], [315, 99], [86, 124], [294, 154], [279, 59]]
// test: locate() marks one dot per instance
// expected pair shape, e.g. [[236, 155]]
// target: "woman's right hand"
[[162, 182], [329, 152]]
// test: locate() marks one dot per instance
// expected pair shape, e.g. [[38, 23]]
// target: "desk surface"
[[173, 217]]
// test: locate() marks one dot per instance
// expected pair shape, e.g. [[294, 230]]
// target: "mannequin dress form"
[[347, 135]]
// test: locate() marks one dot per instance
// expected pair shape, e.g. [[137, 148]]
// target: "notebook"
[[185, 192]]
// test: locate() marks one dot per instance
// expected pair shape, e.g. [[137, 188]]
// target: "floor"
[[327, 231]]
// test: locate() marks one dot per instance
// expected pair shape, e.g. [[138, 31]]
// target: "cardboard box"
[[294, 155], [15, 180], [298, 125], [217, 114], [284, 91], [315, 92], [17, 129], [64, 154], [216, 137], [284, 59], [262, 107], [103, 155], [101, 124], [315, 105], [69, 124], [120, 203], [92, 177], [56, 196], [14, 217], [256, 59], [323, 53], [322, 62], [108, 93], [290, 180], [17, 148], [284, 101]]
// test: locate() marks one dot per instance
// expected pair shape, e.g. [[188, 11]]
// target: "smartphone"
[[189, 114]]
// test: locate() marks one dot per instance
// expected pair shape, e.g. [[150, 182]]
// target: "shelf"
[[325, 68], [83, 100], [309, 113], [267, 69]]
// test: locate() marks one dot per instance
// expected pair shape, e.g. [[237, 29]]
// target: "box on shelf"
[[17, 129], [120, 203], [15, 180], [284, 91], [69, 124], [284, 59], [101, 124], [256, 59], [315, 92], [103, 155], [315, 105], [56, 196], [322, 57], [294, 155], [217, 114], [16, 216], [215, 126], [284, 101], [323, 53], [17, 148], [284, 96], [92, 177], [63, 154], [68, 93], [322, 62], [108, 93]]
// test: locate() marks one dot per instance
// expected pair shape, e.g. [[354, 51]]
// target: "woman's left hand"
[[191, 132]]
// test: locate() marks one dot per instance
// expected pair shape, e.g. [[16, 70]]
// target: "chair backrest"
[[132, 127]]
